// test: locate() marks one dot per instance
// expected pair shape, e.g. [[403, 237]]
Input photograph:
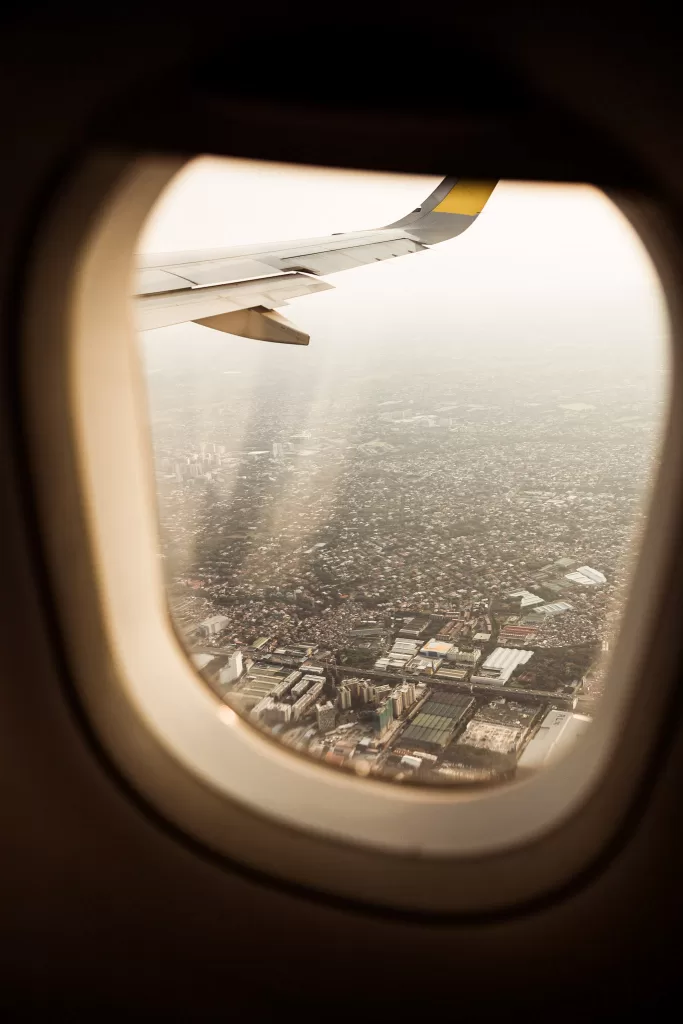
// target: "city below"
[[410, 582], [419, 695]]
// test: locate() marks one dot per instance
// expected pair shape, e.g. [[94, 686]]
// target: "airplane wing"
[[237, 290]]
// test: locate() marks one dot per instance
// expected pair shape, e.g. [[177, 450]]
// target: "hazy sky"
[[545, 268]]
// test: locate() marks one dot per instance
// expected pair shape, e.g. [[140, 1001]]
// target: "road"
[[492, 690]]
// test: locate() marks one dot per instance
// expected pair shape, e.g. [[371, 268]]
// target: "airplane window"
[[403, 434]]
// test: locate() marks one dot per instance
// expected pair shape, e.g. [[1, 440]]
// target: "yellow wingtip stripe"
[[467, 197]]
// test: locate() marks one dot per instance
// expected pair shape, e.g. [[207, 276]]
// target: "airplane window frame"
[[196, 762]]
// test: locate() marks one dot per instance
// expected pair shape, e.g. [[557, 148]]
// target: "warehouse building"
[[586, 577], [500, 665], [528, 599], [556, 735], [434, 726]]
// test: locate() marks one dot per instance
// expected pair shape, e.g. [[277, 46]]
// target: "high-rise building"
[[277, 713], [344, 698], [382, 717], [408, 691], [286, 685], [396, 702], [303, 685], [231, 672], [304, 703], [259, 709], [326, 716], [367, 692], [354, 686]]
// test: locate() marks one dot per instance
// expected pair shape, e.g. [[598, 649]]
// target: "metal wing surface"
[[236, 290]]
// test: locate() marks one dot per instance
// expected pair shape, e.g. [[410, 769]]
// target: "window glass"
[[402, 549]]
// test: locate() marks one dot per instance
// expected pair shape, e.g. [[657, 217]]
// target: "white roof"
[[586, 576], [527, 597], [505, 660], [555, 608], [558, 731], [504, 657], [576, 727], [439, 646], [419, 663]]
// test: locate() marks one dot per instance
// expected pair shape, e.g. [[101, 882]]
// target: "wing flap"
[[149, 282], [260, 324], [223, 272], [163, 310]]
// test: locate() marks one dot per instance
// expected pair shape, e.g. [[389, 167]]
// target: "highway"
[[491, 690]]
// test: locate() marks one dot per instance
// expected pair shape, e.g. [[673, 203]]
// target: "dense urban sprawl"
[[415, 575]]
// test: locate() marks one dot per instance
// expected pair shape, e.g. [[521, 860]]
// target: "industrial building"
[[436, 649], [558, 731], [436, 723], [511, 634], [468, 659], [414, 627], [553, 608], [449, 632], [500, 665], [400, 654], [424, 666], [261, 681], [527, 598], [369, 630], [261, 642], [451, 673], [586, 577], [298, 651]]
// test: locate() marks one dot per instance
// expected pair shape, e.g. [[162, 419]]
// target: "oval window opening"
[[401, 471]]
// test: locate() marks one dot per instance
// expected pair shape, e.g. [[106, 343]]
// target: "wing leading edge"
[[236, 290]]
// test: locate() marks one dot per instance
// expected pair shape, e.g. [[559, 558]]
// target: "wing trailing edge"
[[211, 287]]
